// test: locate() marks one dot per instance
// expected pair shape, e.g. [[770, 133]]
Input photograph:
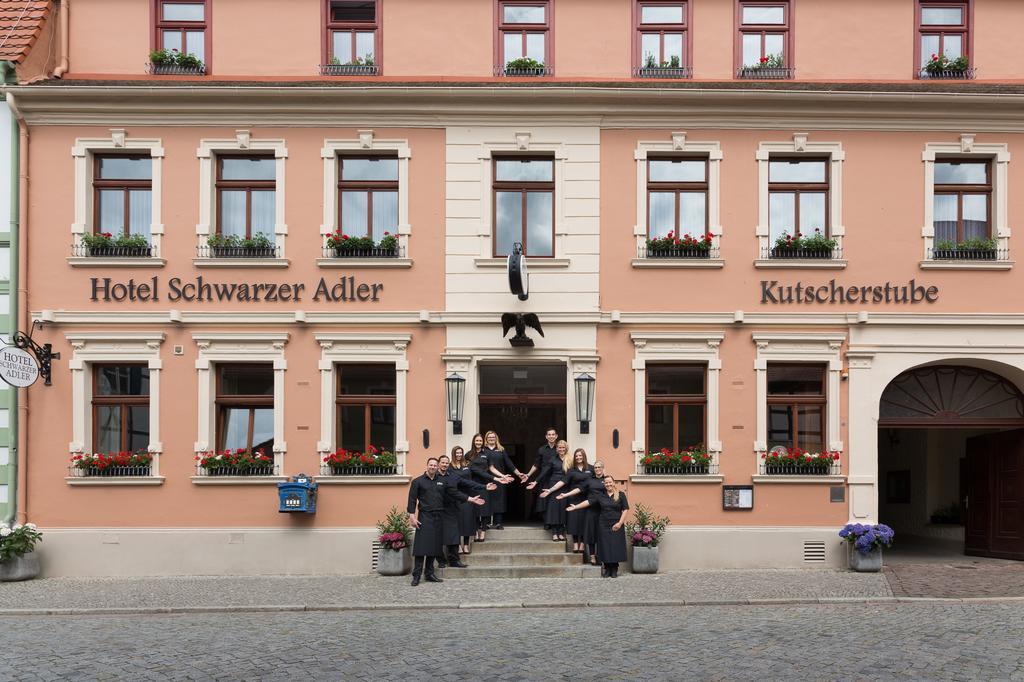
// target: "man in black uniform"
[[460, 479], [428, 492], [545, 453]]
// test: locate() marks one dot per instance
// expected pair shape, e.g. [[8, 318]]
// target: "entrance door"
[[995, 489], [519, 403]]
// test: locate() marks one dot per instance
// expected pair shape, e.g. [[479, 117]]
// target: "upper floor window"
[[677, 197], [183, 25], [676, 400], [764, 37], [798, 198], [246, 195], [523, 36], [963, 197], [796, 406], [524, 205], [944, 32], [245, 407], [120, 408], [122, 200], [368, 187], [366, 406], [661, 36], [353, 32]]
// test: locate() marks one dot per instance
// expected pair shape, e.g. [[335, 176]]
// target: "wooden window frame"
[[124, 401], [797, 188], [523, 187], [206, 26], [248, 185], [785, 28], [223, 402], [501, 28], [639, 28], [676, 401], [959, 190], [368, 186], [330, 26], [964, 29], [678, 188], [366, 401], [794, 402], [99, 183]]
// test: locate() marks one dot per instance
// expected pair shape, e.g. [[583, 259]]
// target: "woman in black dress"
[[577, 478], [611, 540], [593, 485], [483, 472], [502, 465], [554, 514], [467, 511]]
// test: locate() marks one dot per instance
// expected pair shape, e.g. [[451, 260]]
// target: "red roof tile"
[[20, 24]]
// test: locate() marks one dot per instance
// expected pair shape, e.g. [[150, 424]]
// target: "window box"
[[794, 470], [968, 254], [83, 251], [238, 252], [663, 72], [647, 252], [684, 470], [374, 252], [948, 74], [523, 72], [802, 254], [349, 70], [110, 472], [783, 461], [268, 470], [174, 70], [110, 465], [765, 73], [340, 470]]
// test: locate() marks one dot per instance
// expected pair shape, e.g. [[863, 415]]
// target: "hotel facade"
[[752, 227]]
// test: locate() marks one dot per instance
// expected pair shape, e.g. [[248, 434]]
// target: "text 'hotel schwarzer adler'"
[[750, 227]]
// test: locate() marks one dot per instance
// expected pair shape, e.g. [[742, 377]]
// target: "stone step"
[[518, 547], [519, 533], [521, 572], [530, 559]]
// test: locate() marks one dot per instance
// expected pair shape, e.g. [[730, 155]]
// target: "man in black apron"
[[428, 493], [545, 453]]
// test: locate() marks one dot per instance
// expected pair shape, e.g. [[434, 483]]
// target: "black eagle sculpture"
[[520, 321]]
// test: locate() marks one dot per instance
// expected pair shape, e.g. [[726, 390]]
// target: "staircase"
[[522, 552]]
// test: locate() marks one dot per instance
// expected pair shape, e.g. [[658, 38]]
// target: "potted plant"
[[124, 245], [696, 460], [374, 461], [17, 558], [524, 66], [769, 66], [240, 462], [395, 556], [345, 246], [235, 246], [671, 67], [797, 245], [673, 246], [941, 66], [644, 535], [796, 462], [969, 249], [174, 62], [113, 464], [865, 544]]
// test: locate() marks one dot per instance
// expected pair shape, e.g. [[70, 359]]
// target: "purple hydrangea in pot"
[[644, 535], [865, 545]]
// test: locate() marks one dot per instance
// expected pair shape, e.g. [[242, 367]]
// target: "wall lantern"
[[584, 401], [456, 388]]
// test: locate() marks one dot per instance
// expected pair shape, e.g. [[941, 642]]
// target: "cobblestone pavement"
[[318, 591], [960, 579], [850, 641]]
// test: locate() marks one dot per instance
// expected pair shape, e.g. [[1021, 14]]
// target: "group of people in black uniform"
[[465, 493]]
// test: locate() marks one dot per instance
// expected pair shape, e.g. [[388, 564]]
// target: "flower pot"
[[24, 567], [865, 563], [645, 559], [394, 561]]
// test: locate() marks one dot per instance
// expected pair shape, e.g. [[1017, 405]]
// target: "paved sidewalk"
[[196, 594]]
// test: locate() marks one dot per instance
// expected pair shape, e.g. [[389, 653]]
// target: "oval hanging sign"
[[17, 367], [518, 278]]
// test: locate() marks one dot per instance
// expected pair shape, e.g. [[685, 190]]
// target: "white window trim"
[[89, 348], [207, 154], [331, 152], [696, 347], [679, 145], [83, 151], [355, 347], [800, 146], [523, 144], [236, 347], [799, 348], [967, 148]]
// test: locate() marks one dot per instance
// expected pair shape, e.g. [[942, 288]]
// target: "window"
[[368, 190], [366, 406], [677, 197], [182, 25], [943, 29], [797, 197], [524, 198], [764, 34], [120, 408], [245, 407], [246, 195], [122, 194], [352, 31], [661, 34], [963, 196], [523, 29], [676, 402], [796, 406]]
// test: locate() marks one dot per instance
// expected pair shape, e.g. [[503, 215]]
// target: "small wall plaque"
[[737, 497]]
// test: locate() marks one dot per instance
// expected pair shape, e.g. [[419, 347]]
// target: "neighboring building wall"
[[8, 259]]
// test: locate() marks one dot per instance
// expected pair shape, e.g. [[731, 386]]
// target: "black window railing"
[[523, 73], [776, 253], [83, 251], [110, 471], [397, 252], [349, 70], [711, 468], [341, 470], [969, 254], [643, 252], [238, 251], [268, 470], [174, 70], [829, 468], [662, 72], [765, 73], [948, 74]]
